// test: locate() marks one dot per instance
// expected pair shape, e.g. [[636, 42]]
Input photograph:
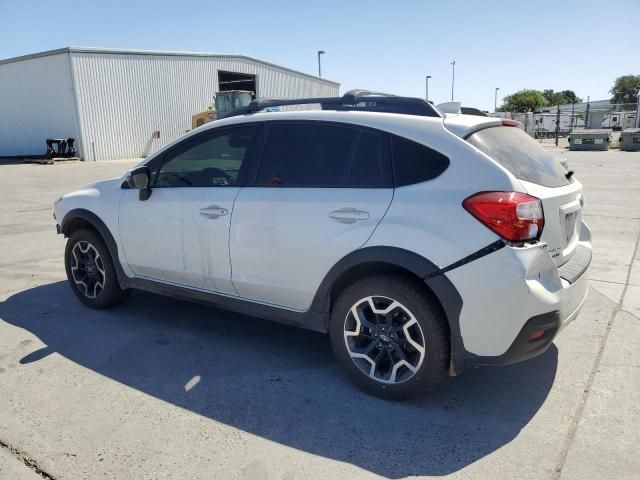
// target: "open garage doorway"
[[236, 81]]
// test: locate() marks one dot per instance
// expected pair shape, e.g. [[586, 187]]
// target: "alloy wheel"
[[87, 269], [384, 339]]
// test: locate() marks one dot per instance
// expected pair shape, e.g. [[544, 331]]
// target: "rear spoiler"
[[465, 125], [456, 107], [450, 107]]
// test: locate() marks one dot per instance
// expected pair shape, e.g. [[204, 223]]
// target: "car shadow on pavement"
[[281, 383]]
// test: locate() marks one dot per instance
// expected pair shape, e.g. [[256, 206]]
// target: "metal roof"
[[164, 53]]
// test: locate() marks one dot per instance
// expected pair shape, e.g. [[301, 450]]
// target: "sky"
[[387, 46]]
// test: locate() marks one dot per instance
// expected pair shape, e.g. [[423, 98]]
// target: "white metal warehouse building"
[[112, 101]]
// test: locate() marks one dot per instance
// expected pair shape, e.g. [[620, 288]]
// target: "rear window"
[[521, 155]]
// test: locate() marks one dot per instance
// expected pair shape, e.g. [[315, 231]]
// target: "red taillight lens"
[[510, 123], [514, 216]]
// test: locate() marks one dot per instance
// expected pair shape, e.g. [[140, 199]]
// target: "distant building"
[[114, 102]]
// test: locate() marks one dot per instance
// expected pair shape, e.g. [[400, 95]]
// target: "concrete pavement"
[[160, 388]]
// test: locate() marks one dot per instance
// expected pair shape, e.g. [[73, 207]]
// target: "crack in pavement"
[[612, 282], [568, 441], [630, 313], [29, 462]]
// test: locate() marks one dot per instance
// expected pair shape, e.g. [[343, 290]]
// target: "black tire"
[[433, 329], [110, 294]]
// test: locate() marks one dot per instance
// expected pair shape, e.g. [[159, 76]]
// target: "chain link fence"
[[564, 119]]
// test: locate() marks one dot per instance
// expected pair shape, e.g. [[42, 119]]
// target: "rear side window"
[[370, 161], [323, 155], [305, 155], [521, 155], [415, 163]]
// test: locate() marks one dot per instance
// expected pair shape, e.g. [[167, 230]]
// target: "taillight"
[[510, 123], [516, 217]]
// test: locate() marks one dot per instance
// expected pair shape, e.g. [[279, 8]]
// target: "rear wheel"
[[390, 336], [90, 271]]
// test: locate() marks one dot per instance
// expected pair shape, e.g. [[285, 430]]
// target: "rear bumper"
[[515, 293], [522, 347]]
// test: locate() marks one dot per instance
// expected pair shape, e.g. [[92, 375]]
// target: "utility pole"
[[573, 109], [495, 100], [320, 52], [586, 115], [638, 110], [557, 125], [453, 77], [427, 87]]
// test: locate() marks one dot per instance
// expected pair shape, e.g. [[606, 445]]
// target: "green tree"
[[571, 96], [523, 101], [625, 89], [560, 98], [548, 94]]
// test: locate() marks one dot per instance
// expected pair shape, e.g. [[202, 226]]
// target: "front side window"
[[212, 160], [305, 155]]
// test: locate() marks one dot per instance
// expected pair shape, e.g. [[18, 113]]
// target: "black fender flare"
[[431, 274], [104, 232]]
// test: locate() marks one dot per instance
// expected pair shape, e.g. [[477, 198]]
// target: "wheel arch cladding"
[[81, 218], [382, 259]]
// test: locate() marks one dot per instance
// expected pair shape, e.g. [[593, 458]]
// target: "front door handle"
[[214, 211], [348, 215]]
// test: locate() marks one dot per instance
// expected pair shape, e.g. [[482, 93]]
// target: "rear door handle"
[[348, 215], [213, 211]]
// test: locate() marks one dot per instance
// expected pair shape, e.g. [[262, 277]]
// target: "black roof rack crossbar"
[[352, 96], [387, 104], [353, 100], [262, 103]]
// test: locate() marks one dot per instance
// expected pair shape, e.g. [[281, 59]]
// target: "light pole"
[[320, 52], [453, 77], [495, 100], [638, 111], [427, 88]]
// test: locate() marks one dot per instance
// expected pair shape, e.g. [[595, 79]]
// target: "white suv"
[[422, 243]]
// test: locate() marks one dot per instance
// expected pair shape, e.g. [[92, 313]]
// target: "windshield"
[[521, 155]]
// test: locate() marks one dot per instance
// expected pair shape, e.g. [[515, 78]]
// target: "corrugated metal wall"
[[124, 98], [36, 103]]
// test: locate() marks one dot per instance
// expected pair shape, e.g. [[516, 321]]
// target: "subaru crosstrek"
[[423, 243]]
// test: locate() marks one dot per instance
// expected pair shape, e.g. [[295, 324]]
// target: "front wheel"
[[391, 336], [90, 271]]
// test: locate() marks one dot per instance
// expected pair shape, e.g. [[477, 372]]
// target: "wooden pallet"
[[50, 161]]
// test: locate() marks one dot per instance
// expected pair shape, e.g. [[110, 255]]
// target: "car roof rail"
[[262, 103], [371, 101], [353, 96], [353, 100]]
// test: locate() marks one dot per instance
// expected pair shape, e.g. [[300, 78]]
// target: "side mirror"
[[140, 178]]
